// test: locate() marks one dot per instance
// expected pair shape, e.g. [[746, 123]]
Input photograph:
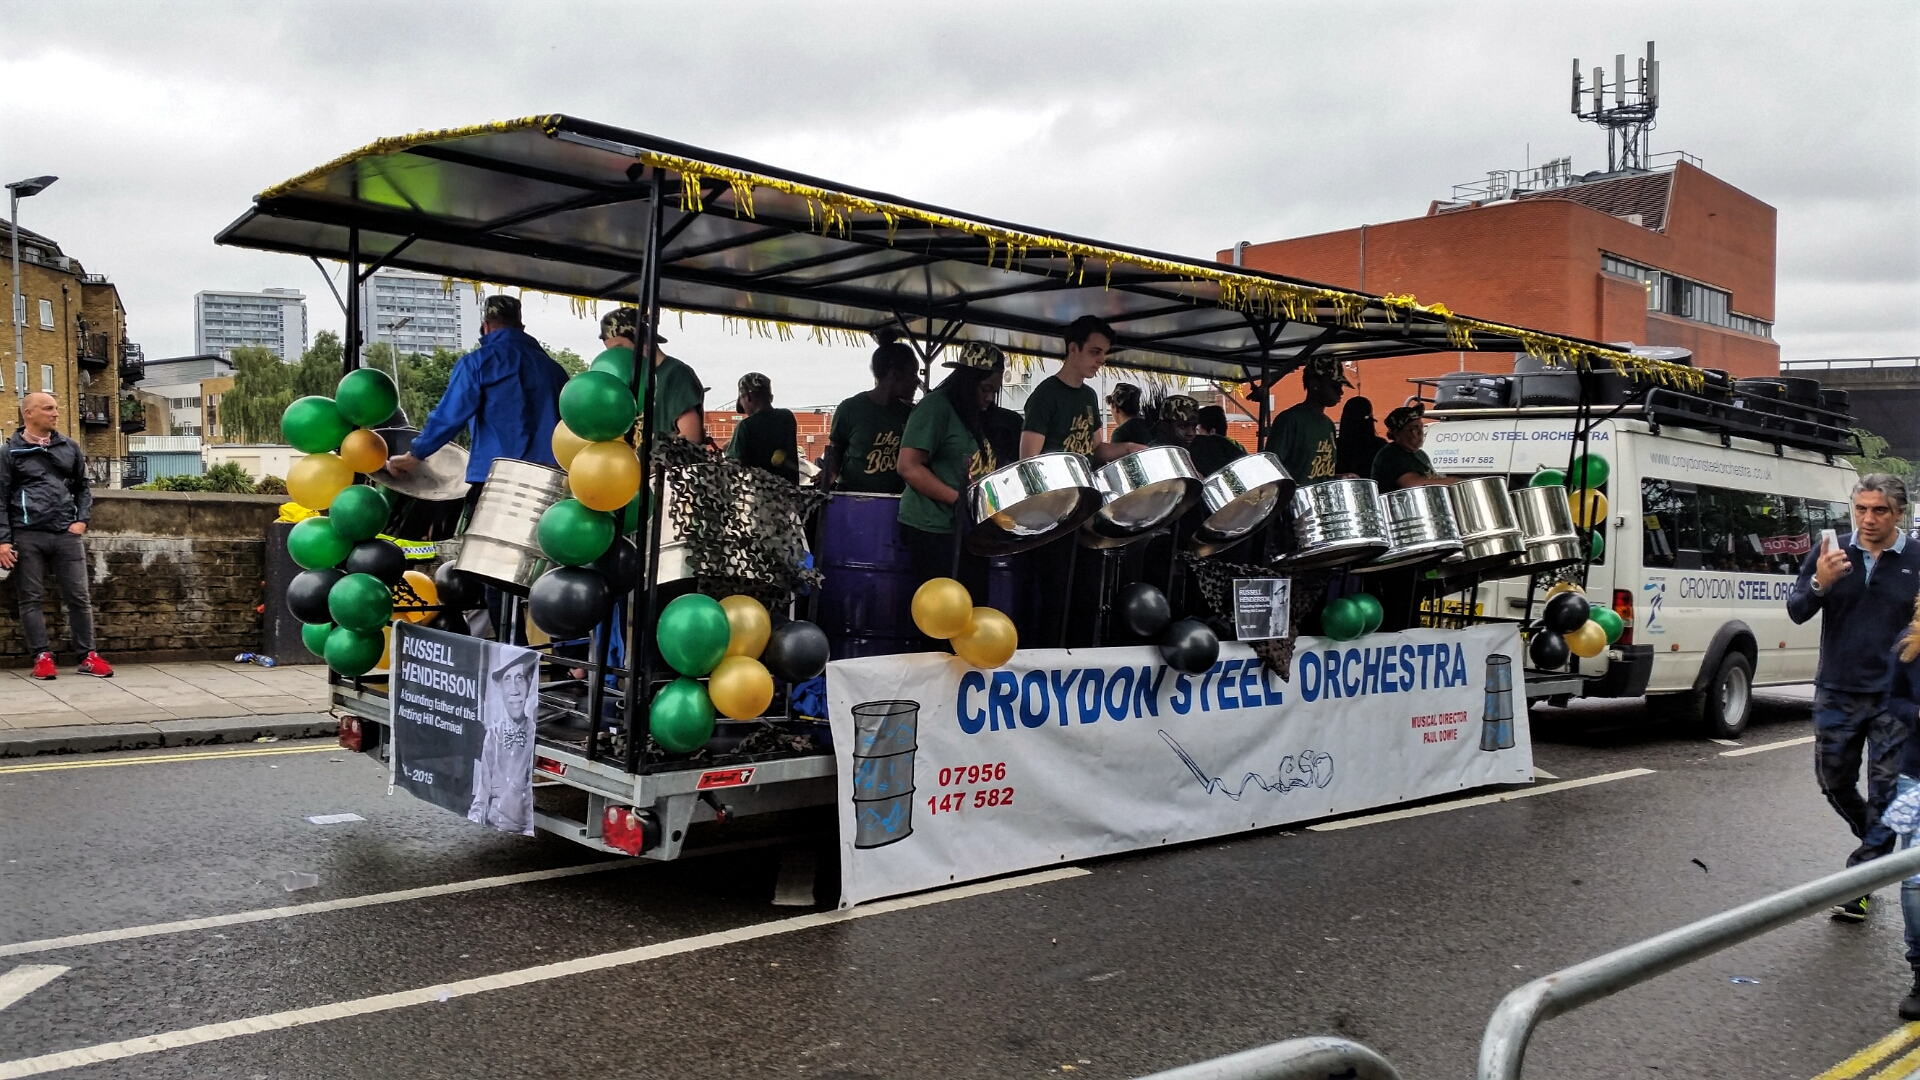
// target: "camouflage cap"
[[755, 383], [979, 355], [1180, 409], [624, 322], [1404, 415], [1124, 396], [1325, 367]]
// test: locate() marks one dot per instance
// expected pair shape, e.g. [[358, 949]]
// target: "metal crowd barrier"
[[1504, 1046]]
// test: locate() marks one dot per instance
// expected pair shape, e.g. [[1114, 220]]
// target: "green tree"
[[568, 359], [1876, 458], [262, 390]]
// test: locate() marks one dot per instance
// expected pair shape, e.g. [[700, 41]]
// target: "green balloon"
[[693, 634], [1613, 624], [316, 545], [1599, 545], [681, 719], [360, 602], [597, 406], [314, 636], [617, 361], [1548, 478], [367, 397], [630, 518], [353, 653], [1589, 471], [1343, 620], [313, 425], [573, 535], [1370, 608], [358, 513]]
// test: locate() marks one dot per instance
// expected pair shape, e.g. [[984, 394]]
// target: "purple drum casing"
[[867, 595]]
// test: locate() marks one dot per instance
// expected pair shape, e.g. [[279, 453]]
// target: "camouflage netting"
[[1307, 594], [745, 529]]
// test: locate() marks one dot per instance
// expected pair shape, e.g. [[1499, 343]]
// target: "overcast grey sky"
[[1181, 127]]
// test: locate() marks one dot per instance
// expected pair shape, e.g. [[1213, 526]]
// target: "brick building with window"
[[1671, 256]]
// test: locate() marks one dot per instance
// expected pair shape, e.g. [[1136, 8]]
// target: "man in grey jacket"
[[43, 482]]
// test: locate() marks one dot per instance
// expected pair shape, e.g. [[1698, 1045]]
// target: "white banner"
[[949, 773]]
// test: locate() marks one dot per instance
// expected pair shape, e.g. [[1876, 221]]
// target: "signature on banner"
[[1309, 769]]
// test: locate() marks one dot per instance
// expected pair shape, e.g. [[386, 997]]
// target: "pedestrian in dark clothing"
[[1903, 701], [43, 480], [1865, 585], [1359, 441]]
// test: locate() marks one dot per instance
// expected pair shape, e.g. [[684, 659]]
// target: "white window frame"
[[46, 314], [46, 378]]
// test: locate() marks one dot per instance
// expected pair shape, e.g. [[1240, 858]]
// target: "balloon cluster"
[[733, 645], [351, 581], [1583, 482], [982, 636], [1187, 645], [336, 435], [1572, 626], [1351, 617]]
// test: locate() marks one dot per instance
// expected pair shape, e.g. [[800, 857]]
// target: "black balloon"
[[381, 558], [1144, 609], [450, 622], [568, 602], [459, 590], [796, 651], [307, 595], [1566, 612], [1548, 650], [620, 566], [1190, 646]]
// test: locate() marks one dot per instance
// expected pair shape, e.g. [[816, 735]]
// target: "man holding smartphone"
[[1865, 584]]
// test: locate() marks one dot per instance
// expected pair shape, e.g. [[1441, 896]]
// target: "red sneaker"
[[96, 667], [43, 667]]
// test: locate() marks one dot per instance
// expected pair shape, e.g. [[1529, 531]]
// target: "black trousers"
[[62, 555]]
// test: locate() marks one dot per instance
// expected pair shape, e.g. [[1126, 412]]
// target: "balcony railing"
[[95, 352], [96, 411], [133, 363], [133, 418]]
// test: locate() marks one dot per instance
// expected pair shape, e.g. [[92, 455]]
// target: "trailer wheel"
[[1719, 710]]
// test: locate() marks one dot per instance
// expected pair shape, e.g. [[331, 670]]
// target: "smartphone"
[[1828, 540]]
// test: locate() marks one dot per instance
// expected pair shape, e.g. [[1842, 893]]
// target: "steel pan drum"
[[868, 583], [1337, 522], [1488, 535], [1030, 503], [1239, 499], [1142, 492], [1546, 525], [1420, 523], [502, 542]]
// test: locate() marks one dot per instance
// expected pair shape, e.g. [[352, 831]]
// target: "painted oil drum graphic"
[[881, 728], [1496, 720], [882, 777], [885, 736]]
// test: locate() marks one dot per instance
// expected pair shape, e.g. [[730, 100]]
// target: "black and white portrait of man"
[[503, 774]]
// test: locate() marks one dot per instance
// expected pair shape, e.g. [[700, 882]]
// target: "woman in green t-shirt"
[[944, 449]]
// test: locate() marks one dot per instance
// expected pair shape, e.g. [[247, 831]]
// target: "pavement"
[[144, 933], [160, 705]]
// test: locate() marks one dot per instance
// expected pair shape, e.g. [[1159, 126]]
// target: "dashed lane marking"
[[157, 759], [25, 979], [1764, 747], [340, 1010], [1480, 800], [1858, 1064]]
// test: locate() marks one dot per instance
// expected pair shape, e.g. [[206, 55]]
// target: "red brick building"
[[1670, 257]]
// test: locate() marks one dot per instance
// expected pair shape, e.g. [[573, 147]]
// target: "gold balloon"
[[566, 444], [426, 590], [988, 641], [386, 651], [1590, 640], [605, 475], [364, 450], [1589, 509], [748, 626], [741, 687], [315, 479], [1560, 587], [942, 607]]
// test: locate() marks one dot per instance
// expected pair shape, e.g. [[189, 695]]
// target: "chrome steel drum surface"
[[1030, 503], [1545, 518], [1239, 499], [502, 543], [1142, 492], [1337, 522], [1489, 535], [1420, 523]]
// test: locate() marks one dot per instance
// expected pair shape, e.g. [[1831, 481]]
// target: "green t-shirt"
[[1302, 438], [765, 440], [1391, 463], [1135, 430], [1066, 417], [953, 455], [675, 390], [867, 438], [1211, 453]]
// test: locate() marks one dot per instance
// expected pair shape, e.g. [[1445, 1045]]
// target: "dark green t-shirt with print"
[[1135, 430], [867, 437], [1302, 438], [766, 440], [1065, 416], [953, 455], [1392, 462], [1211, 453]]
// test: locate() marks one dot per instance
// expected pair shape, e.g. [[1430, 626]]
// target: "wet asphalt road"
[[1402, 935]]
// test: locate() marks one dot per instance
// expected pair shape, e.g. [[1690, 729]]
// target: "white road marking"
[[1481, 800], [333, 819], [340, 1010], [1725, 742], [25, 979], [1763, 747], [794, 887], [1542, 774]]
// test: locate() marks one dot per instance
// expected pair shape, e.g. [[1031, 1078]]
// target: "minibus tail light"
[[1623, 607]]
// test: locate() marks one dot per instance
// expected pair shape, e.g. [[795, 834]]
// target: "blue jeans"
[[1846, 728], [1910, 889]]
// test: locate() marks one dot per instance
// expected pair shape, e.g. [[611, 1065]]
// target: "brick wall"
[[174, 576]]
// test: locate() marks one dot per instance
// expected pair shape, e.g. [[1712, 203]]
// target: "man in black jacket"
[[43, 481]]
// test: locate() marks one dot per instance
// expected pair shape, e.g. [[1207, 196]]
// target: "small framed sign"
[[1260, 608]]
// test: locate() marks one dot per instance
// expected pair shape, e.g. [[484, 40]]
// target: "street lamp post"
[[21, 189], [393, 345]]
